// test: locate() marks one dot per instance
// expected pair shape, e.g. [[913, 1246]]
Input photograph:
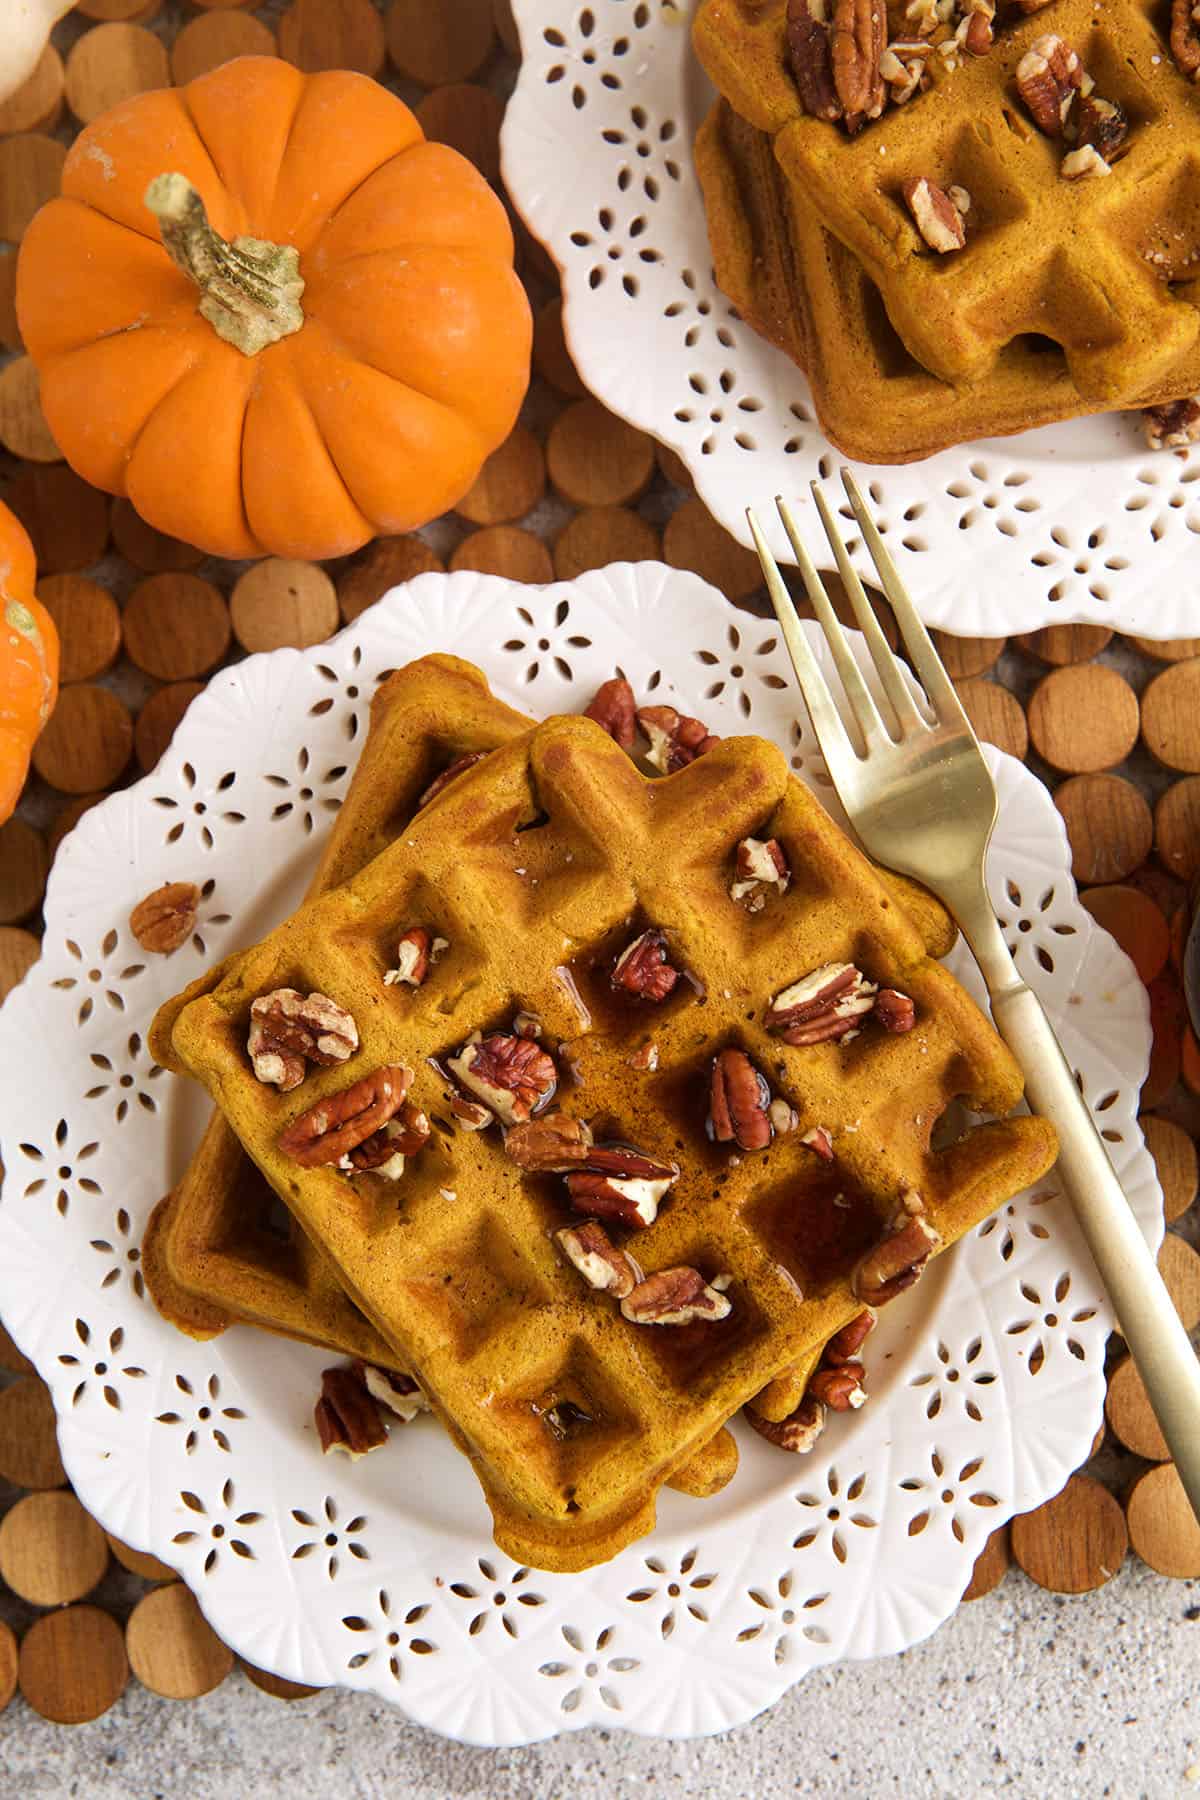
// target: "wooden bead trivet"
[[139, 1562], [24, 860], [468, 118], [600, 535], [595, 459], [37, 103], [1163, 1529], [387, 563], [10, 1357], [86, 742], [1177, 827], [8, 1664], [965, 657], [1170, 709], [552, 359], [51, 1551], [30, 171], [88, 622], [1167, 1015], [673, 467], [995, 715], [280, 601], [510, 483], [1136, 923], [23, 427], [692, 539], [105, 10], [10, 331], [73, 1665], [19, 950], [220, 5], [1129, 1413], [65, 516], [991, 1565], [1175, 1161], [1059, 644], [1075, 1542], [1179, 1266], [506, 26], [215, 37], [148, 549], [436, 44], [1172, 650], [505, 550], [1082, 718], [1109, 825], [66, 820], [28, 1445], [333, 34], [158, 720], [844, 611], [176, 626], [112, 63], [276, 1685], [173, 1650]]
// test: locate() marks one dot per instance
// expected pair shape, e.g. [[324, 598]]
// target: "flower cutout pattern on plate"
[[547, 645], [216, 1525], [499, 1598], [954, 1380], [327, 1534], [302, 793], [95, 978], [943, 1496], [126, 1082], [589, 1666], [783, 1614], [350, 685], [200, 1413], [676, 1593], [381, 1638], [837, 1515], [55, 1171], [191, 815], [121, 1254], [1051, 1323], [98, 1361]]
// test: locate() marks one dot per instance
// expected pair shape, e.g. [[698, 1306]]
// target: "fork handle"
[[1148, 1321]]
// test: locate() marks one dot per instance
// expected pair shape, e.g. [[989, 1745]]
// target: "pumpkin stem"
[[250, 288]]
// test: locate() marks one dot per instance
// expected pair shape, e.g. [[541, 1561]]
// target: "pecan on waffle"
[[542, 867], [1102, 265]]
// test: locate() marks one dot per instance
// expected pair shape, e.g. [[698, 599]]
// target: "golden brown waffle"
[[548, 857], [794, 282], [1104, 268]]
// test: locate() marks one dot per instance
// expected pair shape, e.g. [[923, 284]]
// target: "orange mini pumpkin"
[[272, 314], [28, 661]]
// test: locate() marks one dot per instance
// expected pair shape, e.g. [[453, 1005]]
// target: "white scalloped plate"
[[987, 1382], [1078, 521]]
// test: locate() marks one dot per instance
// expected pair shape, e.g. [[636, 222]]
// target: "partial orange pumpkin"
[[28, 661], [272, 314]]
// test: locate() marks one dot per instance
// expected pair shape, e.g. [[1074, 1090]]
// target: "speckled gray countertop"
[[1023, 1693]]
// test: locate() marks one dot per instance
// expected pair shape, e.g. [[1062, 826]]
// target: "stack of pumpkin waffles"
[[961, 218], [599, 1104]]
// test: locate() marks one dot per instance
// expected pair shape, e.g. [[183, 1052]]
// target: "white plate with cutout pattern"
[[987, 1381]]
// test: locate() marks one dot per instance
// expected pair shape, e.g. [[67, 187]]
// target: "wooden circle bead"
[[991, 1565], [66, 821], [438, 44], [506, 26], [1172, 650], [215, 37], [596, 459], [1177, 828], [966, 657], [158, 720], [37, 103], [10, 331], [73, 1665], [1175, 1162], [505, 550], [1108, 823], [66, 518], [673, 467], [277, 1685], [140, 1562], [1074, 1542], [220, 5], [468, 118], [995, 715], [510, 483], [24, 860], [103, 11], [87, 740], [19, 950], [8, 1664], [281, 601], [176, 626], [30, 171], [147, 549], [692, 539], [1163, 1529], [1129, 1413], [1083, 718], [551, 358], [112, 63], [10, 1357], [600, 535], [88, 622], [1061, 644], [1167, 1018], [1170, 715], [333, 34], [1179, 1266], [387, 563], [28, 1442], [23, 427], [1136, 923], [50, 1550], [173, 1650]]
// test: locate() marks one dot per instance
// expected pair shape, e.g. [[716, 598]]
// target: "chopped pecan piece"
[[760, 865], [630, 1200], [821, 1006], [810, 58], [858, 36], [512, 1075], [798, 1432], [850, 1339], [416, 952], [674, 1297], [289, 1029], [739, 1102], [615, 710], [347, 1416], [895, 1011], [470, 1114], [1174, 426], [904, 66], [839, 1386], [976, 26], [458, 767], [937, 217], [642, 969], [1100, 125], [589, 1249], [1185, 36], [818, 1139], [553, 1144], [384, 1152], [527, 1025], [899, 1258], [927, 15], [1086, 160], [165, 918], [341, 1122], [782, 1116], [675, 739], [628, 1164], [399, 1393], [644, 1058], [1049, 76]]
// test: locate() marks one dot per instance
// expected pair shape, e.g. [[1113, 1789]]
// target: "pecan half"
[[760, 865], [642, 969], [1185, 36], [416, 953], [615, 710], [512, 1075], [935, 214], [895, 1011], [399, 1393], [858, 36], [1100, 125], [384, 1152], [1174, 426], [798, 1432], [553, 1144], [739, 1102], [823, 1005], [165, 918], [1049, 76], [810, 58], [899, 1258], [675, 1296], [818, 1139], [450, 773], [289, 1029], [675, 739], [850, 1339], [347, 1416], [976, 26], [589, 1249], [630, 1200], [628, 1164], [839, 1386], [339, 1123]]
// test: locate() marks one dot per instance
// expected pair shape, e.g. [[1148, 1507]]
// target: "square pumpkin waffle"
[[797, 285], [1104, 266], [543, 868]]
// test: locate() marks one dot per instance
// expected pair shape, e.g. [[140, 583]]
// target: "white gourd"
[[25, 26]]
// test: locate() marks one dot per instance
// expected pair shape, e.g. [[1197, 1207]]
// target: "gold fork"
[[922, 800]]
